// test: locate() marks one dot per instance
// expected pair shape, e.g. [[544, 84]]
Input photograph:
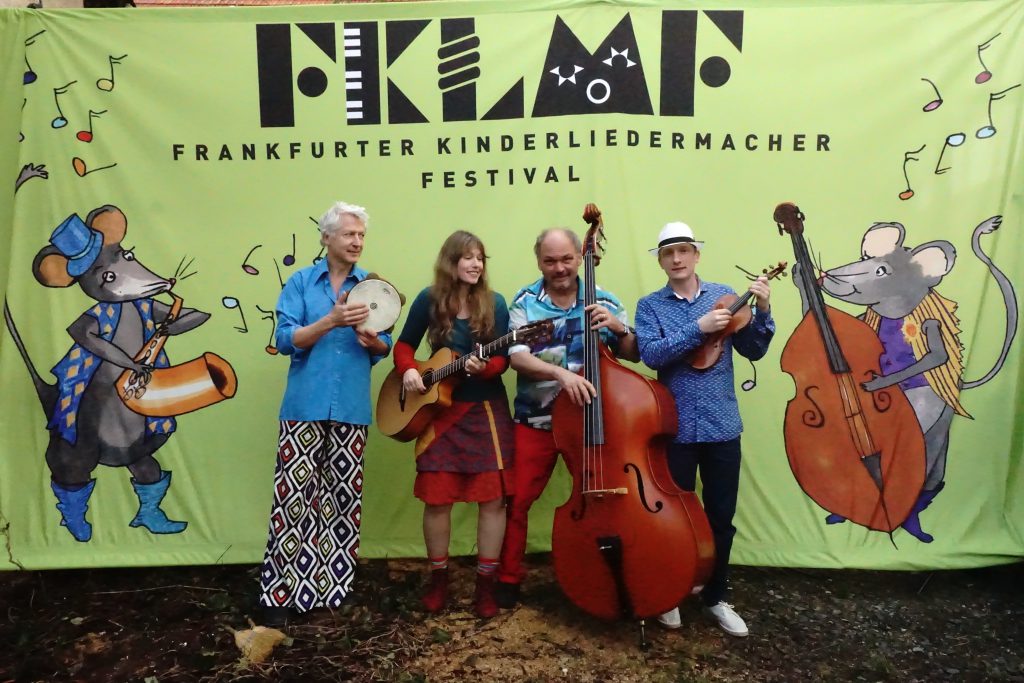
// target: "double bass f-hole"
[[658, 505]]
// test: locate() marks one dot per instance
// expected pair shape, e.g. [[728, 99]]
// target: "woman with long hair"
[[465, 454]]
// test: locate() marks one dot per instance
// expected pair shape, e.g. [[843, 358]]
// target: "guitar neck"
[[459, 364]]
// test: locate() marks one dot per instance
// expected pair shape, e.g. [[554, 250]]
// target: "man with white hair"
[[318, 480], [670, 324]]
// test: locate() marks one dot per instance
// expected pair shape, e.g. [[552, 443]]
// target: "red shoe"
[[436, 595], [484, 604]]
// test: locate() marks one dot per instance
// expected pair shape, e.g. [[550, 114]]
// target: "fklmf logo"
[[573, 80]]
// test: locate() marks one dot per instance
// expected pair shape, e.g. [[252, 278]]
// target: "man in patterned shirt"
[[545, 370], [670, 324]]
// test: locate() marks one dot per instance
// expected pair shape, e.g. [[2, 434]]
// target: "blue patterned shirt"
[[666, 331], [534, 398], [331, 379]]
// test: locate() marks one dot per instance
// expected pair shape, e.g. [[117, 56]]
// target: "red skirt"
[[445, 488], [466, 454]]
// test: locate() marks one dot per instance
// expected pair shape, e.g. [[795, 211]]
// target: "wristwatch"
[[627, 330]]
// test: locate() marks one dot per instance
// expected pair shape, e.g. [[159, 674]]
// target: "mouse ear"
[[51, 268], [882, 239], [110, 221], [935, 258]]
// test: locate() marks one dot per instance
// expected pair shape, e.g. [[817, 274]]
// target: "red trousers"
[[535, 460]]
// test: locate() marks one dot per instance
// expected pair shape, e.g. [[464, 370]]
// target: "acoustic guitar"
[[404, 415]]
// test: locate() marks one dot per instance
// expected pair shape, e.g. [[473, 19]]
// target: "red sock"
[[438, 563]]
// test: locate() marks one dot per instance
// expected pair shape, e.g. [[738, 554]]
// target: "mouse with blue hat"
[[672, 323]]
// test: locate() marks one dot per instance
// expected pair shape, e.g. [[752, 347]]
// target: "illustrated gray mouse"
[[919, 331], [88, 422]]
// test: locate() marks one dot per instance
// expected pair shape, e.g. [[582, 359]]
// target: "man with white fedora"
[[670, 324]]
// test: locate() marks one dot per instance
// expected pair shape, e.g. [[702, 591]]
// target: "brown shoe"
[[484, 604], [436, 595]]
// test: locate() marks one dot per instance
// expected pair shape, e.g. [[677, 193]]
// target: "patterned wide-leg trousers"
[[314, 523]]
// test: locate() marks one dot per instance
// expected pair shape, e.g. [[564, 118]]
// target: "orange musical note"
[[269, 315], [907, 157], [107, 84], [82, 170], [86, 135]]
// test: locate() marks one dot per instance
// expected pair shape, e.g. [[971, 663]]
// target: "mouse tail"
[[1005, 288], [47, 393]]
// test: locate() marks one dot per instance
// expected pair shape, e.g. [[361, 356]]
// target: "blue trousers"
[[719, 465]]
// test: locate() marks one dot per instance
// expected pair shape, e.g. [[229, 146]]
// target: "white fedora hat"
[[675, 233]]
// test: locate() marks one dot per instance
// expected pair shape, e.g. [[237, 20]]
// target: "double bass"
[[857, 453], [628, 543]]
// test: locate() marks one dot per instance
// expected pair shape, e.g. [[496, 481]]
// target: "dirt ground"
[[172, 624]]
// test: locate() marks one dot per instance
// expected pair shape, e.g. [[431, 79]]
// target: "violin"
[[708, 353], [628, 543], [856, 453]]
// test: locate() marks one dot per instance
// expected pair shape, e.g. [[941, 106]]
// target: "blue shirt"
[[534, 398], [331, 379], [666, 332]]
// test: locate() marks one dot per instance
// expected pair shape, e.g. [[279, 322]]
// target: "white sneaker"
[[670, 619], [727, 619]]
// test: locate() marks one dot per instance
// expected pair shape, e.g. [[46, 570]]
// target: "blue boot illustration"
[[912, 524], [150, 515], [72, 505]]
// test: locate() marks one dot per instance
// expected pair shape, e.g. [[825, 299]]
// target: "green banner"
[[216, 137]]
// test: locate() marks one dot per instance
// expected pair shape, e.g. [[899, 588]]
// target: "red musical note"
[[86, 135]]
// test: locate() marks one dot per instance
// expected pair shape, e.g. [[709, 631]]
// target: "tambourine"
[[383, 300]]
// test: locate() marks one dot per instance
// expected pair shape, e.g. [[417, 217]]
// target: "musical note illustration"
[[269, 315], [990, 130], [908, 157], [937, 102], [82, 170], [289, 259], [231, 302], [30, 75], [985, 73], [59, 121], [21, 135], [107, 84], [320, 256], [952, 140], [86, 135], [278, 269], [251, 270], [749, 384]]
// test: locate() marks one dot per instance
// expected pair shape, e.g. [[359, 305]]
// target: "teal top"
[[461, 341]]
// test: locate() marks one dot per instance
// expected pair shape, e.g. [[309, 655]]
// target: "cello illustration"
[[856, 453], [628, 543]]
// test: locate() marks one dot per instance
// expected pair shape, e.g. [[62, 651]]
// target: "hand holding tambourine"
[[383, 301]]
